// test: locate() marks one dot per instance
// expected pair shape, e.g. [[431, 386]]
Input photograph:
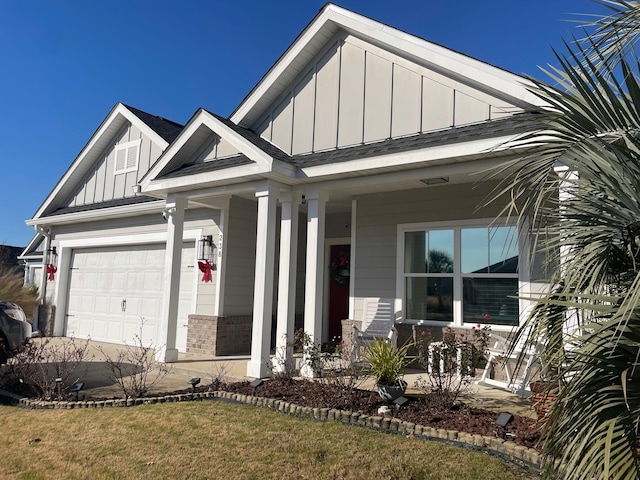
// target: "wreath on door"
[[340, 269]]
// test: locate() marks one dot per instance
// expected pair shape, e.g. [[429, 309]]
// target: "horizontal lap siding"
[[240, 242], [378, 217]]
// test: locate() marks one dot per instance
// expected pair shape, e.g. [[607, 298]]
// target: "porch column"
[[174, 212], [314, 282], [290, 202], [263, 287]]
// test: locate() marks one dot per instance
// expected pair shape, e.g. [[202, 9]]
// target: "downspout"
[[46, 233]]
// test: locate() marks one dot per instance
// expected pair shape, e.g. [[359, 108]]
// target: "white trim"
[[523, 274], [104, 213], [352, 260], [129, 165], [264, 163], [333, 18], [487, 146], [65, 249], [115, 117]]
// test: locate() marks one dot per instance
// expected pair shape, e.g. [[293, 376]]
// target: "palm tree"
[[577, 191]]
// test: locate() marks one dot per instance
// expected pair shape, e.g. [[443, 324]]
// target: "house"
[[349, 172]]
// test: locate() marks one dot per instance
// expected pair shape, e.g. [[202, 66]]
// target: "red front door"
[[339, 264]]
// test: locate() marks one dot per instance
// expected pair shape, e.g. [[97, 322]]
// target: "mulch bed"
[[423, 410], [427, 410]]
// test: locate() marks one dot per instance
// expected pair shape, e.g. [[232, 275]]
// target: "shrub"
[[45, 360], [135, 369]]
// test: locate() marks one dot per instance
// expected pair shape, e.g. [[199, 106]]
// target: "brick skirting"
[[211, 335]]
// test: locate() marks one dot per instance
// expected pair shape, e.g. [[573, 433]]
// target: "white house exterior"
[[358, 150]]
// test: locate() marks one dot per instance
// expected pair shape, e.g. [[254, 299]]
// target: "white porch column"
[[313, 298], [287, 280], [263, 287], [174, 211], [221, 269]]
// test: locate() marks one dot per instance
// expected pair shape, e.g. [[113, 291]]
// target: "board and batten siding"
[[378, 217], [354, 92], [100, 184]]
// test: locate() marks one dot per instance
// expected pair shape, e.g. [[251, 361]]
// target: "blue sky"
[[64, 64]]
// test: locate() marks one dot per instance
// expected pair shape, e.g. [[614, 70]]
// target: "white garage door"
[[114, 291]]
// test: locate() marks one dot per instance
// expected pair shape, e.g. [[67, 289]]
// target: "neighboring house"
[[350, 171], [9, 256]]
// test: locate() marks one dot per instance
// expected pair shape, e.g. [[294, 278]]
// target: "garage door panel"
[[101, 278]]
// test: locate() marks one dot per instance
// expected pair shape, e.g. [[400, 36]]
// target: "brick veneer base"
[[211, 335]]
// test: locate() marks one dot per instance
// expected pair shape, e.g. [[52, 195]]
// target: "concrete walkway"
[[94, 374]]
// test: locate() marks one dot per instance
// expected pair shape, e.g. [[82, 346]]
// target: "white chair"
[[378, 322], [502, 353]]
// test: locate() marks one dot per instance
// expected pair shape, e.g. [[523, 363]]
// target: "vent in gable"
[[127, 155]]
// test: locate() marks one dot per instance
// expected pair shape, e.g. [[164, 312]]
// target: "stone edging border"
[[517, 454]]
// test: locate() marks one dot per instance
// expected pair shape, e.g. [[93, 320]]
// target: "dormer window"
[[127, 155]]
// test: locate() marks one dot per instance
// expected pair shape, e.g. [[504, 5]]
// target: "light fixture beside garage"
[[206, 255], [52, 261]]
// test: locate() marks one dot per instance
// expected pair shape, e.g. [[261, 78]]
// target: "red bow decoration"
[[205, 267], [51, 270]]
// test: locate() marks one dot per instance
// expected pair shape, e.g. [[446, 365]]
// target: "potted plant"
[[387, 365]]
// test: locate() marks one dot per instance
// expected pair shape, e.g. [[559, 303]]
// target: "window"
[[127, 155], [458, 275]]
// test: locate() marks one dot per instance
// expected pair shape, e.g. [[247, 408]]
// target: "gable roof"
[[261, 155], [333, 18], [161, 131]]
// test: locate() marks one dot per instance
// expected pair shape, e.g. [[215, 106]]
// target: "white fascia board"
[[442, 152], [118, 109], [29, 249], [462, 65], [100, 214], [477, 71], [238, 141], [128, 239], [280, 66], [262, 159], [206, 178]]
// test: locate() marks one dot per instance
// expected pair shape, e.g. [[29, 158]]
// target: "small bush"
[[135, 369], [43, 361]]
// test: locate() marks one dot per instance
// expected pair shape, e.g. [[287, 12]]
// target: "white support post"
[[174, 211], [287, 281], [263, 287], [221, 266], [316, 203]]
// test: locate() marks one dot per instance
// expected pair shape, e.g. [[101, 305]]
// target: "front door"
[[338, 289]]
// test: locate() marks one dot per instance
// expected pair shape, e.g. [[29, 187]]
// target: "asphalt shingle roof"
[[167, 129], [511, 125], [101, 205]]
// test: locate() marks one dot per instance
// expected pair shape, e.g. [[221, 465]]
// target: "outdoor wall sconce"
[[503, 420], [52, 260], [255, 384], [75, 388], [206, 255]]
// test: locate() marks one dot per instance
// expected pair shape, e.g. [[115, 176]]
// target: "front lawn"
[[211, 440]]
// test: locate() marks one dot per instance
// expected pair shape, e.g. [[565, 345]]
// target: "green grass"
[[208, 440]]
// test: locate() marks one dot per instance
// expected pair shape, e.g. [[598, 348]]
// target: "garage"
[[115, 293]]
